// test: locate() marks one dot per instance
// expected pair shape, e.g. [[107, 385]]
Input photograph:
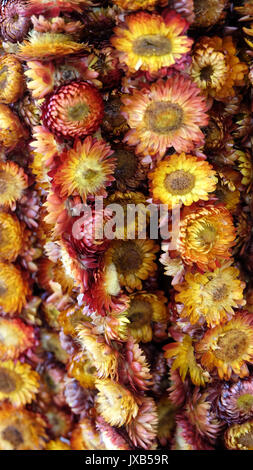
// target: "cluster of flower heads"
[[125, 343]]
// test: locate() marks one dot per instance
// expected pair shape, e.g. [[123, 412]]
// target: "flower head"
[[11, 79], [48, 46], [206, 236], [54, 7], [135, 368], [185, 361], [74, 110], [18, 383], [182, 179], [15, 338], [83, 370], [239, 436], [138, 4], [215, 67], [115, 403], [40, 78], [129, 172], [21, 429], [11, 237], [235, 401], [149, 42], [144, 309], [211, 295], [13, 289], [208, 12], [11, 129], [14, 24], [226, 348], [166, 114], [13, 182], [142, 429], [101, 355], [200, 425], [70, 318], [133, 260], [85, 170], [44, 144]]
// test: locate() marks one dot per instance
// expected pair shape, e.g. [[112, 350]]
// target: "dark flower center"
[[126, 164], [113, 114], [7, 383], [231, 345], [152, 45], [140, 312], [12, 435], [127, 257], [206, 73]]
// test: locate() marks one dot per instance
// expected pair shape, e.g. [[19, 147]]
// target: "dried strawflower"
[[18, 383], [208, 12], [206, 236], [227, 348], [211, 296], [239, 436], [166, 114], [14, 22], [182, 179], [11, 79], [85, 170], [14, 289], [48, 46], [185, 361], [74, 110], [149, 42], [144, 309], [142, 429], [11, 129], [21, 429], [115, 403], [133, 260]]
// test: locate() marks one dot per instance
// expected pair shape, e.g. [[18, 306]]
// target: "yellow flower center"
[[7, 383], [152, 45], [140, 313], [78, 112], [231, 345], [220, 293], [89, 175], [162, 117], [179, 182], [245, 402], [13, 436], [127, 257], [208, 235]]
